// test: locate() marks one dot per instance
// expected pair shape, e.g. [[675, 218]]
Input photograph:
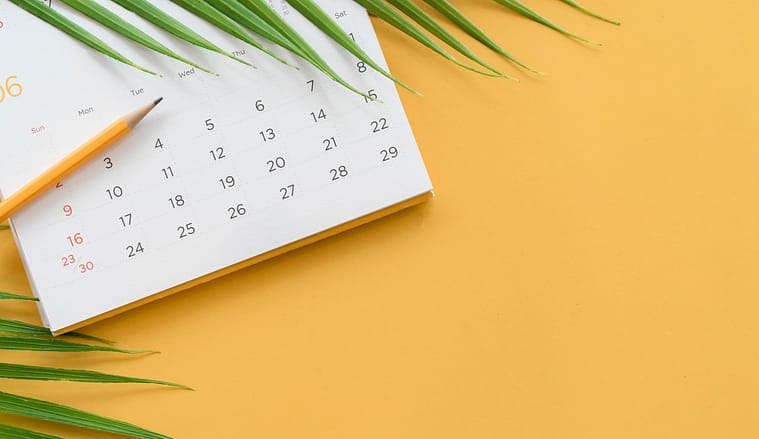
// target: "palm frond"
[[28, 343], [383, 10], [422, 18], [23, 328], [245, 17], [11, 432], [49, 411], [112, 21], [524, 10], [26, 336], [202, 9], [51, 16], [258, 17], [11, 296], [40, 373], [263, 10], [169, 24], [579, 7], [315, 14], [457, 17]]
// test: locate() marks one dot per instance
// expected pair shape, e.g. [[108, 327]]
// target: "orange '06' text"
[[10, 88]]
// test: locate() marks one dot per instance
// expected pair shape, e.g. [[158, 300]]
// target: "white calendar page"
[[226, 168]]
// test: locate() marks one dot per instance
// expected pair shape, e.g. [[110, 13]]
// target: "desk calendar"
[[227, 171]]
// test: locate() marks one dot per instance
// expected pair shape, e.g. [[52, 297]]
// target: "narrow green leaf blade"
[[432, 26], [458, 18], [48, 411], [324, 22], [392, 17], [202, 9], [23, 328], [247, 18], [53, 17], [157, 17], [17, 327], [263, 10], [581, 8], [250, 20], [40, 373], [524, 10], [11, 296], [104, 16], [25, 343], [10, 432]]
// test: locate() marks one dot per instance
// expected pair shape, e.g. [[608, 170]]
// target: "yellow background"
[[588, 268]]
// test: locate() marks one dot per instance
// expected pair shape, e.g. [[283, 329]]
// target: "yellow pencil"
[[71, 162]]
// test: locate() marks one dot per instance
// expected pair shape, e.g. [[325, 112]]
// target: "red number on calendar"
[[68, 210], [86, 267], [75, 239], [68, 260]]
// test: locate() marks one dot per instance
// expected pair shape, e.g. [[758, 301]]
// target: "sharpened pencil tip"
[[133, 118]]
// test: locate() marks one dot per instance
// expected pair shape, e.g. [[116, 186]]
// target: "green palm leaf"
[[39, 373], [173, 26], [320, 19], [117, 24], [23, 328], [26, 343], [249, 19], [202, 9], [579, 7], [522, 9], [258, 16], [11, 296], [48, 411], [10, 432], [263, 10], [423, 19], [453, 14], [388, 14], [51, 16]]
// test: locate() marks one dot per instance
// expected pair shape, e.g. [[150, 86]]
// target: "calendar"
[[226, 171]]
